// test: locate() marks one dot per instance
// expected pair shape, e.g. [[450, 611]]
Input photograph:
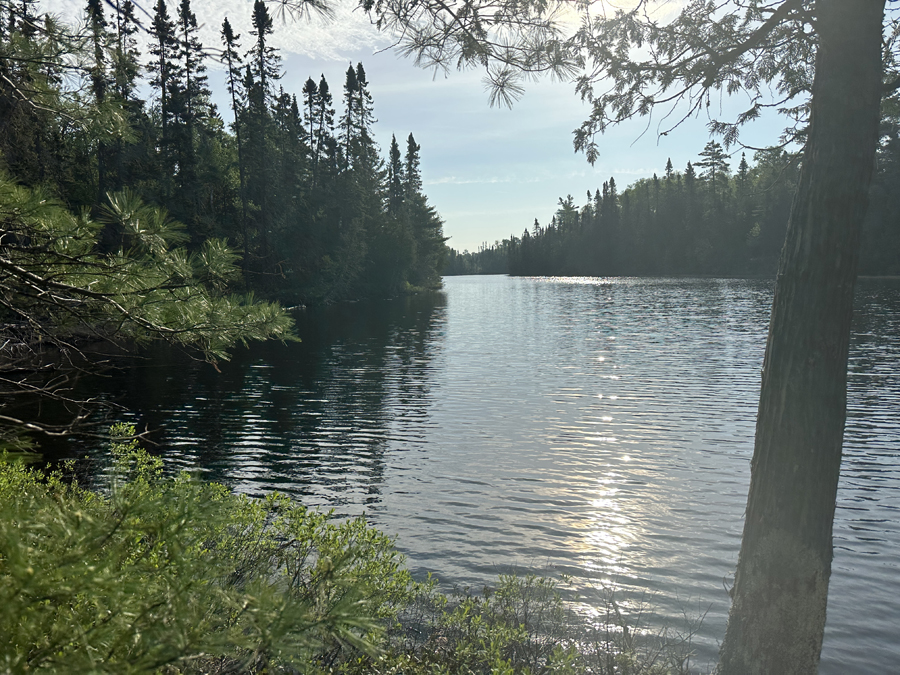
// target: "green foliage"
[[711, 223], [524, 626], [486, 260], [174, 572], [309, 215], [55, 279]]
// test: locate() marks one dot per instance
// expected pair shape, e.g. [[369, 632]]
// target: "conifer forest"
[[292, 184], [711, 218]]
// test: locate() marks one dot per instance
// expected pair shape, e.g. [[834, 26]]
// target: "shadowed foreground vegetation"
[[173, 575]]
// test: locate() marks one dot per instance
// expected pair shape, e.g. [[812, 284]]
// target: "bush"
[[524, 626], [178, 574]]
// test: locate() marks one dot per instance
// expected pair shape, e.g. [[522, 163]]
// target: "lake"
[[599, 428]]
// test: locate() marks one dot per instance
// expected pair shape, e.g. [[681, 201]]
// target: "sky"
[[489, 172]]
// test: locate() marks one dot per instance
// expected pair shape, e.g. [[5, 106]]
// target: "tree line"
[[706, 219], [314, 211], [130, 212]]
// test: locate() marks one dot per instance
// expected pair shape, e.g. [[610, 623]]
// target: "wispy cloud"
[[528, 211], [316, 37], [491, 180], [636, 172]]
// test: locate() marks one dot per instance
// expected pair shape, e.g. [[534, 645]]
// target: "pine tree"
[[262, 72], [191, 107], [126, 59], [426, 224], [715, 167], [310, 95], [324, 142], [165, 71], [349, 131], [232, 60], [30, 78], [396, 178], [97, 25], [365, 116], [411, 171], [263, 58], [288, 194], [743, 172]]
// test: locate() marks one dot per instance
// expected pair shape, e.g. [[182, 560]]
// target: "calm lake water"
[[600, 428]]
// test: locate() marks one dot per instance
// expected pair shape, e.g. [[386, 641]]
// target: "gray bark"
[[777, 618]]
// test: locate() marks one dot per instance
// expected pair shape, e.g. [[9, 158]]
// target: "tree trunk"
[[777, 617]]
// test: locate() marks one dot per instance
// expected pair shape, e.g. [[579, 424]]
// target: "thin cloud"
[[481, 213], [316, 37], [453, 180], [636, 172]]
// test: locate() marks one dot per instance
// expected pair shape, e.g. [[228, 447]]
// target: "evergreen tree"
[[97, 25], [349, 131], [165, 70], [741, 216], [99, 76], [263, 70], [126, 59], [232, 60], [425, 223], [272, 184], [289, 196], [411, 170], [191, 108], [31, 77], [356, 140], [396, 179], [325, 144], [310, 97], [263, 58], [715, 169], [125, 71], [365, 115]]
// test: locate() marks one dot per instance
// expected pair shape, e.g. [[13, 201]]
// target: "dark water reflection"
[[599, 428], [311, 419]]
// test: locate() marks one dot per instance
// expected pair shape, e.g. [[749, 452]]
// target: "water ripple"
[[600, 428]]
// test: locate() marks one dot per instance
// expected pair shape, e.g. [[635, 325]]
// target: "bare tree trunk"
[[777, 618]]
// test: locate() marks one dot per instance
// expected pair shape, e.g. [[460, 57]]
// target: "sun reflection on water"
[[606, 531]]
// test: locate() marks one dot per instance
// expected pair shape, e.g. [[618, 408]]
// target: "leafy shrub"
[[524, 626], [183, 575]]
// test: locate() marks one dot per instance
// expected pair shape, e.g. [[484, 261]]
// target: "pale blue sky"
[[489, 172]]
